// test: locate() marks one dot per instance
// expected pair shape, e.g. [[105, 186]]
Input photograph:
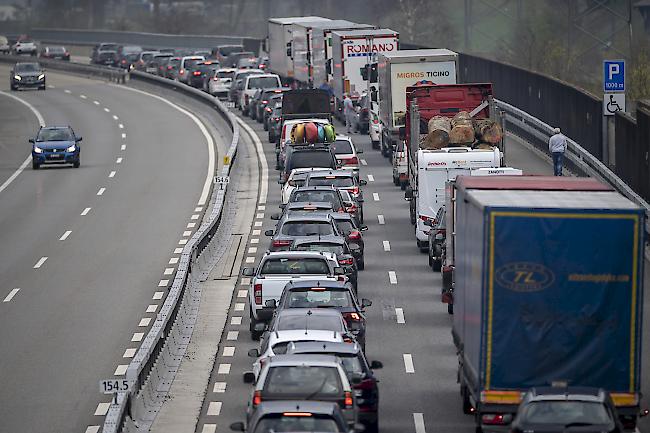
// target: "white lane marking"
[[91, 428], [399, 312], [214, 408], [130, 352], [392, 277], [101, 191], [371, 178], [223, 369], [245, 281], [96, 102], [182, 242], [250, 259], [386, 245], [255, 241], [363, 162], [232, 335], [178, 250], [235, 320], [418, 419], [381, 220], [145, 321], [264, 181], [158, 295], [195, 216], [115, 117], [163, 283], [242, 293], [121, 370], [375, 196], [102, 409], [112, 173], [198, 209], [121, 126], [261, 207], [41, 122], [408, 363], [67, 91], [85, 211], [118, 161], [65, 235], [173, 260], [83, 96], [228, 351], [252, 250], [51, 86], [11, 295], [123, 147], [191, 225], [107, 110], [256, 232], [259, 216], [208, 138], [138, 336], [219, 387], [40, 262], [152, 308], [168, 271], [187, 233], [258, 224], [239, 306], [124, 136], [209, 428]]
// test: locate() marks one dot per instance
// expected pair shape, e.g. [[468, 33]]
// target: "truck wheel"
[[35, 165], [395, 180], [450, 308], [467, 405], [422, 246], [375, 144], [403, 185], [361, 265], [255, 335], [412, 212], [436, 265]]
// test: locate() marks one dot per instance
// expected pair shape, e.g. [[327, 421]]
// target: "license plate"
[[358, 392], [56, 156]]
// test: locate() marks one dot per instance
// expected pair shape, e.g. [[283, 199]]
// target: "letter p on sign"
[[614, 69], [614, 76]]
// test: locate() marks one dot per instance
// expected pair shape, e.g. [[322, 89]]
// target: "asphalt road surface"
[[87, 253]]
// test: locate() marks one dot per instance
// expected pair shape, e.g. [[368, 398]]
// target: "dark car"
[[318, 194], [233, 58], [305, 156], [127, 54], [347, 225], [274, 100], [101, 47], [294, 416], [55, 52], [275, 123], [257, 109], [247, 63], [55, 145], [564, 409], [298, 224], [308, 206], [107, 58], [333, 244], [223, 51], [437, 236], [200, 72], [355, 365], [27, 75], [341, 179], [173, 65], [336, 295]]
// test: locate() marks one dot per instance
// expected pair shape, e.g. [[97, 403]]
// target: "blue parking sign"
[[614, 75]]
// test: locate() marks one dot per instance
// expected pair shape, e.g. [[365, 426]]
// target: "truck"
[[400, 69], [429, 170], [279, 44], [353, 52], [548, 292], [311, 48]]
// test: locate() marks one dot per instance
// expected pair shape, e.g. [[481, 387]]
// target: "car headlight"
[[41, 77], [38, 149], [71, 148], [18, 77]]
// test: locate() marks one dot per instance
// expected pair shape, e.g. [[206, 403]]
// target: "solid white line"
[[418, 419], [111, 174], [399, 312], [223, 369], [235, 320], [392, 277], [11, 295], [208, 138], [152, 308], [41, 122], [130, 352], [118, 161], [40, 262], [375, 196], [101, 191], [214, 408], [386, 245], [123, 147], [408, 363], [381, 220], [121, 370], [145, 321], [219, 387], [173, 260], [264, 181], [65, 235], [371, 178], [363, 162], [228, 351], [91, 428], [102, 409], [85, 211]]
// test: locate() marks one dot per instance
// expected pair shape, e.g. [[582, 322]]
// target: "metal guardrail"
[[583, 163]]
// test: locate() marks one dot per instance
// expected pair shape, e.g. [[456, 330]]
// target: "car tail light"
[[265, 102], [182, 72], [352, 317], [426, 218], [216, 78], [257, 292], [281, 243], [123, 61], [351, 209], [366, 384], [268, 109], [245, 98], [354, 235], [348, 402], [350, 161], [355, 190], [196, 73], [276, 119], [262, 66], [493, 419], [347, 261], [257, 398]]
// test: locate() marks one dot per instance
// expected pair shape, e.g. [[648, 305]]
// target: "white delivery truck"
[[279, 43], [398, 70], [352, 51]]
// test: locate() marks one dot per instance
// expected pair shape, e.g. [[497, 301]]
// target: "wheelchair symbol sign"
[[613, 102]]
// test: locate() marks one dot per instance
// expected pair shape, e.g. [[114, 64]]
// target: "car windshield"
[[246, 63], [344, 226], [263, 82], [189, 63], [108, 47], [306, 321], [337, 182], [55, 135], [27, 67], [351, 364], [227, 50], [305, 265], [132, 57], [303, 380], [566, 412], [131, 49], [226, 74], [330, 248], [313, 196], [208, 68], [147, 56], [58, 50], [311, 158], [307, 228], [341, 147], [319, 298], [302, 423]]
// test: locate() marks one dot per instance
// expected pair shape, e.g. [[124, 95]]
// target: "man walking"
[[557, 146], [348, 111]]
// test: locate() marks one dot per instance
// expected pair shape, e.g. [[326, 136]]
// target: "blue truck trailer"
[[548, 289]]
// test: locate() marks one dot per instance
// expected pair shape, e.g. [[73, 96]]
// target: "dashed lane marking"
[[67, 91], [130, 352], [228, 351], [255, 241], [261, 207], [168, 271], [363, 162], [40, 262], [65, 235], [408, 363], [260, 215], [152, 308], [123, 147], [250, 259], [115, 117], [195, 216], [235, 320], [239, 306], [191, 225], [182, 242], [252, 250], [107, 110], [102, 409], [392, 277], [209, 428], [137, 336], [157, 296], [124, 136], [121, 126], [256, 232], [11, 295], [242, 293], [371, 178], [223, 369], [96, 102], [121, 370], [214, 408], [91, 428], [245, 281], [258, 224], [232, 335], [386, 245], [112, 173], [163, 283], [375, 196], [187, 233], [101, 191], [144, 322], [85, 211], [173, 260], [178, 250], [198, 209], [399, 313], [83, 96], [418, 419], [219, 387], [381, 220], [118, 160]]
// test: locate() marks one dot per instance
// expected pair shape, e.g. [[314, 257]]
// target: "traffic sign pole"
[[613, 101]]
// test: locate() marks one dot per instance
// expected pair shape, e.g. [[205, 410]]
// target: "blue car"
[[55, 145]]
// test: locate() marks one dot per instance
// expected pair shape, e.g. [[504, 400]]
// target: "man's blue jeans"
[[557, 163]]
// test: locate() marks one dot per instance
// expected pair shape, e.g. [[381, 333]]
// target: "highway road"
[[409, 329], [87, 254]]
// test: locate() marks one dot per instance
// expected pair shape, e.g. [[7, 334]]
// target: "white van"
[[254, 82]]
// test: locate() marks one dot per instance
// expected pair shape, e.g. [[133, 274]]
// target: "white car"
[[254, 82], [184, 68], [400, 165], [297, 178], [4, 45], [25, 47], [375, 127], [346, 153], [220, 82]]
